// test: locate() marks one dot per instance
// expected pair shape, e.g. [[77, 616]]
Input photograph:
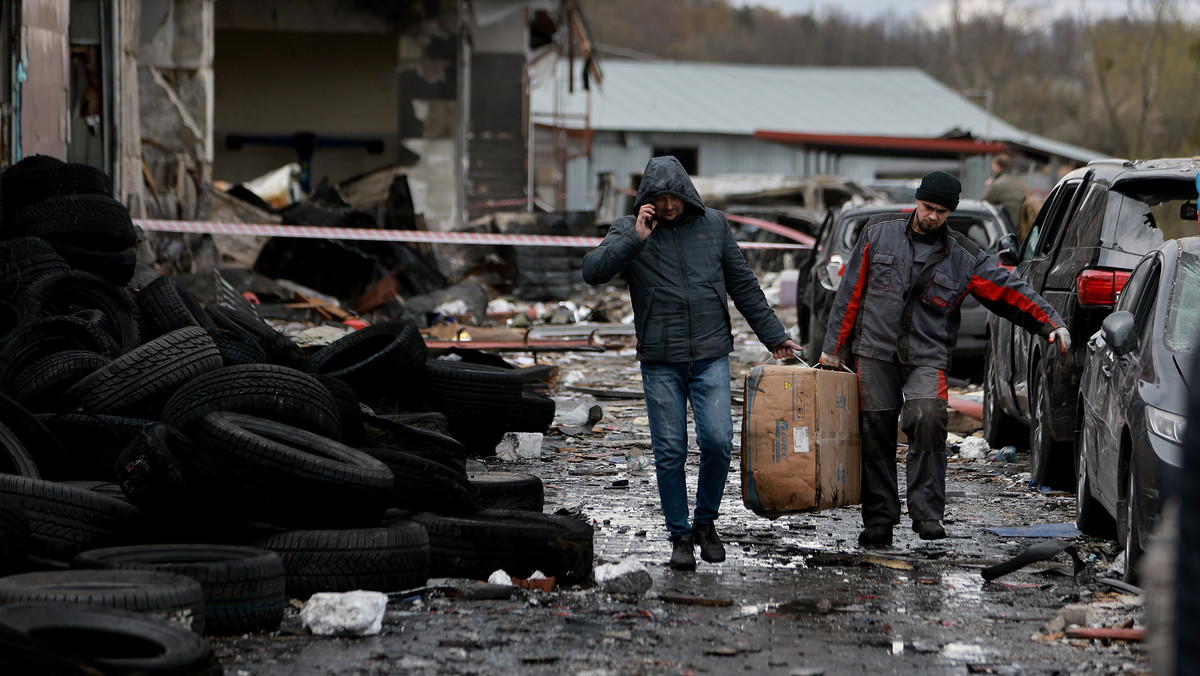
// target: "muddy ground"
[[795, 596]]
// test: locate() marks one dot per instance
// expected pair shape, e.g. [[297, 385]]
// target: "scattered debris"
[[628, 578], [1042, 551], [355, 613]]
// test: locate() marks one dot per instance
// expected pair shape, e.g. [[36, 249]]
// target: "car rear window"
[[1183, 309], [1147, 220]]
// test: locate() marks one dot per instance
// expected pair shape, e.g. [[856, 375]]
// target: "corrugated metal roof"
[[690, 97]]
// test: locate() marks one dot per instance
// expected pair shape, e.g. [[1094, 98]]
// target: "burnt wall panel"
[[497, 146], [497, 93], [497, 174]]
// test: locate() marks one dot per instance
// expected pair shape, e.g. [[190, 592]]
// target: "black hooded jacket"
[[682, 274]]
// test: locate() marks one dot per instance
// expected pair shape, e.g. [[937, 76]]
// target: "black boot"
[[875, 536], [929, 529], [682, 556], [711, 549]]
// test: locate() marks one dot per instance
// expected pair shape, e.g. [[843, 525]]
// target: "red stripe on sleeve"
[[855, 303], [1009, 296], [943, 389]]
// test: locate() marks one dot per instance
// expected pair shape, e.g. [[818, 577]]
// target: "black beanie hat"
[[940, 188]]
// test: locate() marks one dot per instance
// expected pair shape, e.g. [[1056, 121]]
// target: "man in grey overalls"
[[897, 311]]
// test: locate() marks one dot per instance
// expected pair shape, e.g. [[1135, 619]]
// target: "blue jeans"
[[669, 388]]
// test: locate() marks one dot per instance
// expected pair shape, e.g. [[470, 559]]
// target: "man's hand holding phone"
[[645, 221]]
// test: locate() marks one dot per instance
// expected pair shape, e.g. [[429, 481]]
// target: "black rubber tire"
[[268, 391], [349, 408], [280, 349], [1050, 462], [36, 339], [391, 432], [386, 559], [70, 292], [999, 428], [139, 381], [40, 177], [40, 386], [508, 490], [1129, 527], [459, 387], [90, 221], [243, 586], [14, 536], [479, 401], [376, 360], [168, 596], [261, 466], [50, 457], [237, 348], [149, 472], [64, 520], [422, 485], [176, 503], [107, 640], [166, 306], [25, 260], [92, 442], [432, 421], [816, 337], [536, 413], [14, 457], [116, 267], [517, 542], [1090, 516]]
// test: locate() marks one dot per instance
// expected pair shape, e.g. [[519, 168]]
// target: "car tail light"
[[1100, 287], [831, 276]]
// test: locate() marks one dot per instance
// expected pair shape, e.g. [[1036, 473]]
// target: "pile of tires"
[[141, 430]]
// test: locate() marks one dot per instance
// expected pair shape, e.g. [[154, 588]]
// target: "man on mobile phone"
[[682, 265]]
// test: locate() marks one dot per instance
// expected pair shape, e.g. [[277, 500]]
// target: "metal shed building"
[[864, 124]]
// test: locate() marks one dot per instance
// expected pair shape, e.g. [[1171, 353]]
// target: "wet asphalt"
[[796, 595]]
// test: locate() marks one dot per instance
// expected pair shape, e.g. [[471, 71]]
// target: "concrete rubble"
[[354, 613]]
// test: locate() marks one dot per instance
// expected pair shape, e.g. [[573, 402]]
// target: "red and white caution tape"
[[454, 237]]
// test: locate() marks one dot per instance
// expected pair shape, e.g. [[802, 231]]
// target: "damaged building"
[[169, 97]]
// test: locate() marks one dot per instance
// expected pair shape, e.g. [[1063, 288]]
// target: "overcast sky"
[[935, 10]]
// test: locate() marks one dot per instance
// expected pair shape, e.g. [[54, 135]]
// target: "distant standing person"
[[1005, 190], [682, 264], [897, 310]]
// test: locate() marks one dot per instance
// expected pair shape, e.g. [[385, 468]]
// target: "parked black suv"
[[821, 270], [1093, 228]]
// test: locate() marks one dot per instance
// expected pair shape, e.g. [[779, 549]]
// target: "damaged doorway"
[[89, 113]]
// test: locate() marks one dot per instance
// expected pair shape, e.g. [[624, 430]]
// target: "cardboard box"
[[800, 440]]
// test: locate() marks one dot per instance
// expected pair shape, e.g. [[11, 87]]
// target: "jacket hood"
[[666, 175]]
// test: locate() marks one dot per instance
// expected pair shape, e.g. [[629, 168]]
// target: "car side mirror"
[[1009, 249], [1119, 332]]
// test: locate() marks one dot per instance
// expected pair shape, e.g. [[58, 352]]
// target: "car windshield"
[[1183, 310]]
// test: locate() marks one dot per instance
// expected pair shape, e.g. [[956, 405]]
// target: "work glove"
[[831, 360], [1062, 337]]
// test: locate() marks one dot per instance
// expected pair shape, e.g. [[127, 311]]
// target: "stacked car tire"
[[141, 430]]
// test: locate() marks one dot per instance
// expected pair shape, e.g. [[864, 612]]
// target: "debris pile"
[[142, 430]]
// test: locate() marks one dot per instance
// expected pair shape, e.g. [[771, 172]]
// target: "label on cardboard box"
[[818, 467], [801, 440]]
